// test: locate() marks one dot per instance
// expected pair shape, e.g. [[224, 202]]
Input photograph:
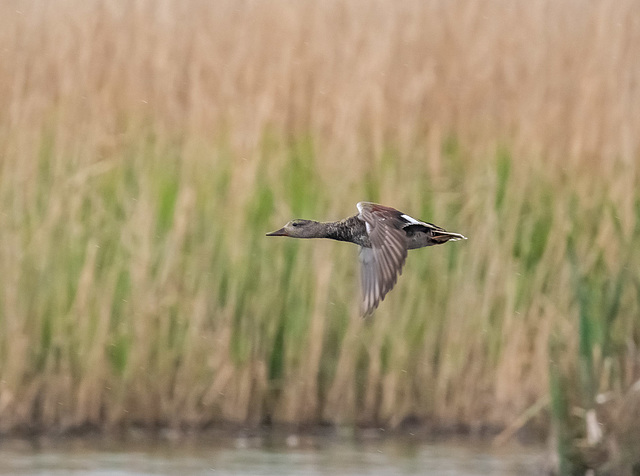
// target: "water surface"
[[296, 456]]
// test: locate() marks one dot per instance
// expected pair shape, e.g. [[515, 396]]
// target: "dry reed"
[[147, 146]]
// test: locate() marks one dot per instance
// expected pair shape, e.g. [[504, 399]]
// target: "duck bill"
[[280, 232]]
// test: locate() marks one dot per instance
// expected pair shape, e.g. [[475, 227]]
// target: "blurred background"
[[146, 147]]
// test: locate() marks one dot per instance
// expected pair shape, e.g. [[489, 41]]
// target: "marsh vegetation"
[[146, 147]]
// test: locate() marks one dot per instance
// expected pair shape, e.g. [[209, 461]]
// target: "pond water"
[[297, 455]]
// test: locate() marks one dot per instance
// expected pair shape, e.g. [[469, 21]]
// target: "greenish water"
[[297, 456]]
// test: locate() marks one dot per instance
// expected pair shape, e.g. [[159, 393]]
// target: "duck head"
[[299, 229]]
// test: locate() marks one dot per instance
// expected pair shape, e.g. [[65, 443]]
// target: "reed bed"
[[146, 147]]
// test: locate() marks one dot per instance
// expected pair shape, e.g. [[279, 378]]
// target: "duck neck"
[[350, 229]]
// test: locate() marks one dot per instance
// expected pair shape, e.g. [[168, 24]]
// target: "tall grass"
[[148, 146]]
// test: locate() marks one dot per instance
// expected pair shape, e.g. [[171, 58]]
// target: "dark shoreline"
[[271, 435]]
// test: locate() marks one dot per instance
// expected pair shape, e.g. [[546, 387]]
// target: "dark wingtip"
[[366, 314]]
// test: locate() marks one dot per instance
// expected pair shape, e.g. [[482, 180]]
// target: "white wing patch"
[[412, 220]]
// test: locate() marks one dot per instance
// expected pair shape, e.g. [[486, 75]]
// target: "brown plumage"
[[384, 235]]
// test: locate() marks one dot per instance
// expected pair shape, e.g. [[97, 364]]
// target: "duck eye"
[[295, 223]]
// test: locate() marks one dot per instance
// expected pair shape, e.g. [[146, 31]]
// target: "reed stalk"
[[146, 147]]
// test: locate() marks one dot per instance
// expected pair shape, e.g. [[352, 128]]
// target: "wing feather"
[[382, 263]]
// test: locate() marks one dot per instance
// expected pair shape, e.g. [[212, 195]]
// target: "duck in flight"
[[384, 235]]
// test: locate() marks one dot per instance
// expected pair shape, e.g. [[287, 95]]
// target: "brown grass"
[[146, 146]]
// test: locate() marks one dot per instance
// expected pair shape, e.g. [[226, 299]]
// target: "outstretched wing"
[[382, 263]]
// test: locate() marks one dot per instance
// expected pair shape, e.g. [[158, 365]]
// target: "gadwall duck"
[[384, 235]]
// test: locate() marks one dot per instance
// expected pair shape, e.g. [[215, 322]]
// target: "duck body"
[[384, 235]]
